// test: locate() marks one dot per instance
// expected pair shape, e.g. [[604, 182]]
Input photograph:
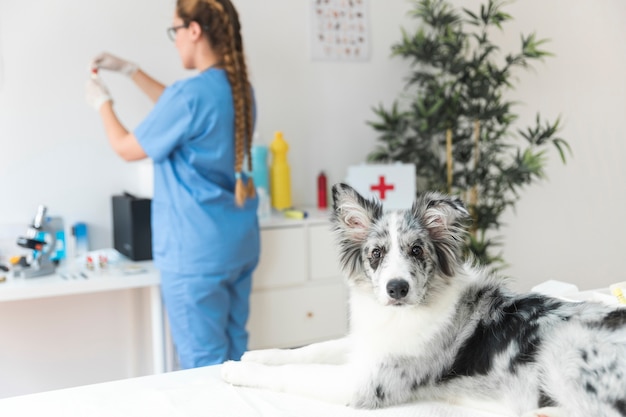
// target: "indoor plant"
[[454, 121]]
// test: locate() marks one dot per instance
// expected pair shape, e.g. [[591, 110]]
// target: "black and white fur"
[[424, 325]]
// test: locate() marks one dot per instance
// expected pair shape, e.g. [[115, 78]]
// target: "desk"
[[16, 289], [197, 392], [296, 264]]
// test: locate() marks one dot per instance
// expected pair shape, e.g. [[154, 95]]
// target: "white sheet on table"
[[197, 393]]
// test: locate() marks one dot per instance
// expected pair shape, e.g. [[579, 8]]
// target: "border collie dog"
[[425, 325]]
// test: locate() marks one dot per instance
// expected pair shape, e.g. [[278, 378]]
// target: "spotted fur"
[[425, 325]]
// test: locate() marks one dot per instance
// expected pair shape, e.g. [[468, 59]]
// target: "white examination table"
[[196, 393]]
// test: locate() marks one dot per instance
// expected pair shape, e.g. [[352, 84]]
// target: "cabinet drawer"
[[294, 317], [323, 253], [283, 258]]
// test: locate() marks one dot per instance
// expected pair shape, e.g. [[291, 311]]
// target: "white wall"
[[54, 151], [571, 227]]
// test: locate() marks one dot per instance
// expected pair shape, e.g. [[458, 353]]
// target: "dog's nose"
[[397, 288]]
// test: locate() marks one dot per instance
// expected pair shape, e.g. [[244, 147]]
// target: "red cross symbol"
[[382, 188]]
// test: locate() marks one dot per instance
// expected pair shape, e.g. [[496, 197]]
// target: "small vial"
[[90, 264], [102, 261]]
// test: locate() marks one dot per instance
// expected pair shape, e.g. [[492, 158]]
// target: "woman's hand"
[[96, 93], [112, 63]]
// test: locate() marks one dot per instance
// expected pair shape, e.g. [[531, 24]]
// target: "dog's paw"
[[267, 356], [364, 403], [367, 400], [249, 374], [547, 412], [235, 373]]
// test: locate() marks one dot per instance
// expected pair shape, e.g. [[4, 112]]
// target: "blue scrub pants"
[[208, 314]]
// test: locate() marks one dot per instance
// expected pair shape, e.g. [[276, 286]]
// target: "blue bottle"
[[259, 167]]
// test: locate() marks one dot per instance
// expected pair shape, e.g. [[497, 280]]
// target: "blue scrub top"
[[196, 226]]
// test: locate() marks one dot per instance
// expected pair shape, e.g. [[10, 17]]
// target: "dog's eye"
[[375, 258], [417, 251]]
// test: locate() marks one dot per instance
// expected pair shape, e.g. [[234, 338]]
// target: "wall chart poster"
[[340, 30]]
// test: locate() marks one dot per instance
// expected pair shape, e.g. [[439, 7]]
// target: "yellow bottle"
[[280, 177]]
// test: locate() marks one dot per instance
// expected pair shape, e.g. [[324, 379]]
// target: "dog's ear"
[[446, 220], [352, 213], [442, 215], [352, 217]]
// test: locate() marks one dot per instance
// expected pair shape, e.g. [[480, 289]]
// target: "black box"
[[132, 235]]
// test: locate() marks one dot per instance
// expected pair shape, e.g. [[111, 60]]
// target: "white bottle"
[[264, 211]]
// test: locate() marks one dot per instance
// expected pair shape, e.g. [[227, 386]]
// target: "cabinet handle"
[[309, 315]]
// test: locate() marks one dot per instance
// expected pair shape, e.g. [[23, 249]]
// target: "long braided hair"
[[220, 24]]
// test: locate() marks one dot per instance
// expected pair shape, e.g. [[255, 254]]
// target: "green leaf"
[[560, 144], [530, 47]]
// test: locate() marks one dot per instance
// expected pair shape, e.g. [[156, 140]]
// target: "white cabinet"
[[283, 258], [323, 253], [298, 295]]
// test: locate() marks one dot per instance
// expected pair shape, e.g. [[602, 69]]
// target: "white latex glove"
[[96, 93], [113, 63]]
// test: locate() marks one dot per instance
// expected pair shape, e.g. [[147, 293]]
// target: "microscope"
[[46, 238]]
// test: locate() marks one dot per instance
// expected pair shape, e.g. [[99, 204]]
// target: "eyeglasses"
[[171, 32]]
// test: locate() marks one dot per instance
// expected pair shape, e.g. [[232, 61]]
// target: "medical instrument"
[[46, 238]]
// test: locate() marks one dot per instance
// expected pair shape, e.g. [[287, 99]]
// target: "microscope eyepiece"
[[40, 217]]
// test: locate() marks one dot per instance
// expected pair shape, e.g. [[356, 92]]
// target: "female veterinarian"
[[204, 225]]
